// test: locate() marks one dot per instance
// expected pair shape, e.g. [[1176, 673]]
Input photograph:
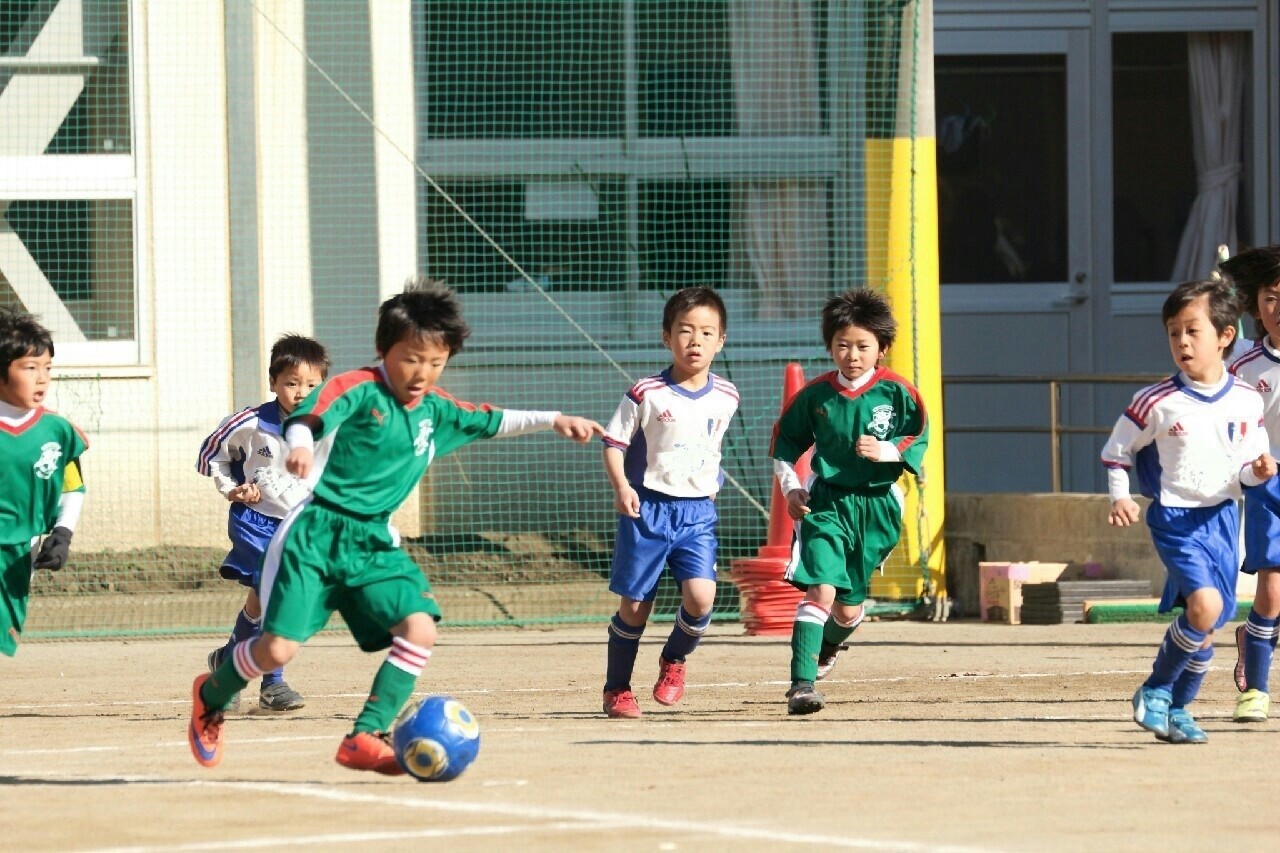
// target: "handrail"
[[1055, 429]]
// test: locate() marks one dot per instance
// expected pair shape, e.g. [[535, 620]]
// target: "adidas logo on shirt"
[[1263, 387], [1177, 429], [666, 417], [265, 451]]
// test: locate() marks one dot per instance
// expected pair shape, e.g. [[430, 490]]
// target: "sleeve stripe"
[[1133, 416], [339, 385], [214, 442], [613, 442], [461, 404]]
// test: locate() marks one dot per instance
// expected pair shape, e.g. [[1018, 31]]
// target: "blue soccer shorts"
[[675, 532], [249, 531], [1200, 547], [1262, 527]]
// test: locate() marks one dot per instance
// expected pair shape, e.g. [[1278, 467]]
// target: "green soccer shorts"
[[320, 561], [15, 587], [843, 540]]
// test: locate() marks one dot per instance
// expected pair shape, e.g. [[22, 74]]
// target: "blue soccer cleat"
[[1151, 709], [1183, 728]]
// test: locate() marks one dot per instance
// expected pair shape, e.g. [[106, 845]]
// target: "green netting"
[[191, 180]]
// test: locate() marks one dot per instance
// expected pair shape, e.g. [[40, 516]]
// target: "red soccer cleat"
[[621, 704], [369, 751], [204, 732], [1242, 683], [670, 685]]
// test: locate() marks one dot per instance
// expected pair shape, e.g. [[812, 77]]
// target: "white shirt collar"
[[855, 384]]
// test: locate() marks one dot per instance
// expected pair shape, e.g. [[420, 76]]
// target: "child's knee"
[[1204, 606], [417, 628], [847, 615], [271, 652], [821, 594], [698, 596]]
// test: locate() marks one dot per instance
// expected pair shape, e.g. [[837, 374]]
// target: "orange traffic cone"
[[769, 602]]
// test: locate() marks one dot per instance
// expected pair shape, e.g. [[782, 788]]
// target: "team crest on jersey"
[[50, 453], [423, 439], [1237, 429], [881, 421]]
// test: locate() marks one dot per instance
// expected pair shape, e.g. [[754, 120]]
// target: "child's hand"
[[247, 493], [298, 462], [627, 502], [579, 429], [798, 503], [1123, 513], [869, 447], [1264, 467]]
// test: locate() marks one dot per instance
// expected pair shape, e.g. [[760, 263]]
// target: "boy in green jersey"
[[363, 440], [866, 424], [41, 491]]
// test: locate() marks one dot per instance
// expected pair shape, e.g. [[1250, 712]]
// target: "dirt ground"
[[956, 736]]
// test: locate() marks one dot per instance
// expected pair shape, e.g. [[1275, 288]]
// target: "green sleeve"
[[913, 438], [793, 433], [458, 423], [333, 401]]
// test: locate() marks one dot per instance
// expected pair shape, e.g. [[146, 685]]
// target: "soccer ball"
[[436, 739]]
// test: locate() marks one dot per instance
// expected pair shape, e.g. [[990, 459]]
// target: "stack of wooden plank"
[[1063, 601]]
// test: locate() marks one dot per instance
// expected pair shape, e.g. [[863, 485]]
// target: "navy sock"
[[624, 642], [1259, 642], [1181, 642], [245, 629], [685, 635], [1188, 684]]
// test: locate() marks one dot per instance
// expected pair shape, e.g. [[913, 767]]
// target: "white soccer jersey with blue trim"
[[1259, 365], [1188, 441], [670, 436], [249, 446]]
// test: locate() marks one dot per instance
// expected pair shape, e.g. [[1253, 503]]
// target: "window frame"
[[626, 317], [93, 177]]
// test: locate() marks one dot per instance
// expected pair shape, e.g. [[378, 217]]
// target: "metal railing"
[[1055, 429]]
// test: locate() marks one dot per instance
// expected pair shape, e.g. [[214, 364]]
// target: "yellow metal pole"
[[902, 259]]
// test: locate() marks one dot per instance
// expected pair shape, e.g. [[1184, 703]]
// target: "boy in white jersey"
[[662, 457], [41, 491], [245, 457], [1256, 275], [1196, 439]]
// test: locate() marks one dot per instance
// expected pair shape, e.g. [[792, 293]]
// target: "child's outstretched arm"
[[521, 422], [578, 429]]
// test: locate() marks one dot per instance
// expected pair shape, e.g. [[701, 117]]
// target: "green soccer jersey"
[[34, 454], [830, 418], [371, 449]]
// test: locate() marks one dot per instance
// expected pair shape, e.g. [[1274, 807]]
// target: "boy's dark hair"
[[861, 307], [296, 350], [1251, 271], [21, 335], [426, 310], [690, 298], [1223, 303]]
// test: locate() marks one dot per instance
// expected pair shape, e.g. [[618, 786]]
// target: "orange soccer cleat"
[[621, 704], [204, 732], [369, 751], [670, 685]]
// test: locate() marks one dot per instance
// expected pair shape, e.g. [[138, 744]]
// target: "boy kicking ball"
[[363, 440]]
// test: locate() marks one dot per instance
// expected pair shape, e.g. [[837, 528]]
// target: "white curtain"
[[1217, 66], [779, 226]]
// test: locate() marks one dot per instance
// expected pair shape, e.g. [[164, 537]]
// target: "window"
[[67, 187], [645, 145]]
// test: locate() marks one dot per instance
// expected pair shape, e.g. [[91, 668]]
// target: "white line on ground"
[[355, 837], [593, 819]]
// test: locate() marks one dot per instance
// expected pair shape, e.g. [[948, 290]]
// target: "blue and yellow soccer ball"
[[436, 739]]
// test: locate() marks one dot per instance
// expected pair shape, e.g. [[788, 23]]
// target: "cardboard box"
[[1000, 587]]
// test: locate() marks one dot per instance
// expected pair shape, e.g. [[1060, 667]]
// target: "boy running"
[[662, 457], [364, 439], [866, 425], [41, 491], [245, 457]]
